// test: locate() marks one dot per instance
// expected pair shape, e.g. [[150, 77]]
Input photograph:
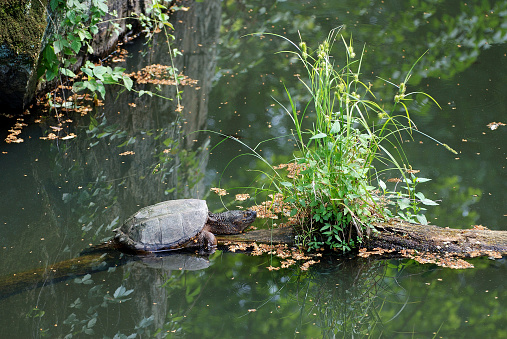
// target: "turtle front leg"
[[207, 241]]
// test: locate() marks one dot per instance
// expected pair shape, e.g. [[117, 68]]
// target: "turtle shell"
[[163, 226]]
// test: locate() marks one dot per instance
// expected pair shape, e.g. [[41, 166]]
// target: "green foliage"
[[331, 192], [98, 76], [407, 206], [79, 24]]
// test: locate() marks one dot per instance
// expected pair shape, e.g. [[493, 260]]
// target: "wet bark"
[[400, 235], [395, 235]]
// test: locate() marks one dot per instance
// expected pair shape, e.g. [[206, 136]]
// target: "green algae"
[[22, 25]]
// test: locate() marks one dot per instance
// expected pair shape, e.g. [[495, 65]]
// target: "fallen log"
[[392, 238], [283, 235], [400, 235]]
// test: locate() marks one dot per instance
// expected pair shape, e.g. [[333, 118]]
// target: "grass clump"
[[329, 189]]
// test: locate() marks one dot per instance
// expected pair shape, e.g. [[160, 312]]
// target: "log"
[[284, 235], [399, 235], [392, 238], [12, 284]]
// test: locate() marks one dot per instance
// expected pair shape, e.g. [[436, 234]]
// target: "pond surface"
[[60, 196]]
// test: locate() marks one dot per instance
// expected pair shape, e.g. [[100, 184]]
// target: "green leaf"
[[89, 48], [141, 92], [103, 134], [87, 279], [89, 331], [425, 200], [168, 142], [93, 123], [102, 6], [319, 136], [421, 218], [429, 202], [82, 34], [76, 46], [59, 45], [68, 72], [91, 323], [50, 74], [49, 55], [88, 71], [109, 80], [78, 86], [335, 128], [53, 4], [99, 71], [71, 15], [91, 85], [77, 303], [102, 90], [119, 70], [128, 82], [130, 141], [403, 203]]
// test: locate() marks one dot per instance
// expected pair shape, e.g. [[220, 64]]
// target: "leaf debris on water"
[[494, 125], [219, 191], [292, 255], [242, 197]]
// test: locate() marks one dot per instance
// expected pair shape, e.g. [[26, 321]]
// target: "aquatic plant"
[[329, 193]]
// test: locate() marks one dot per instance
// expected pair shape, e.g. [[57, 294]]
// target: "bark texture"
[[399, 235]]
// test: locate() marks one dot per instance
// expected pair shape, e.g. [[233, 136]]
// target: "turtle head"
[[246, 218], [231, 222]]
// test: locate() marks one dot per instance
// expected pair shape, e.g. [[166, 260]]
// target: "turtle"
[[177, 224]]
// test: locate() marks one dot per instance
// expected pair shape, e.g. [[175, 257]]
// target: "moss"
[[22, 25]]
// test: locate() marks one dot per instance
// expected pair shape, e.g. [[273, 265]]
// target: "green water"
[[58, 197]]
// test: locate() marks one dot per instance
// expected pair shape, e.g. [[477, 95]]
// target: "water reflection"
[[58, 197], [132, 152]]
